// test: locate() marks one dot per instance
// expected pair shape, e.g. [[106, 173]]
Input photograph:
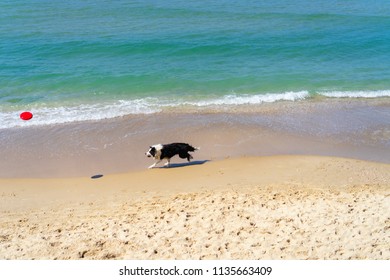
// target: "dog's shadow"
[[176, 165]]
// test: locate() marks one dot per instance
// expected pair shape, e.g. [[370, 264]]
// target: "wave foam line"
[[356, 94], [86, 112], [93, 112], [251, 99], [149, 105]]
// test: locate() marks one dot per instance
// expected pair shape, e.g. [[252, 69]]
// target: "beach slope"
[[277, 207]]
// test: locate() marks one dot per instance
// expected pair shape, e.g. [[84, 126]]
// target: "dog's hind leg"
[[168, 162], [185, 155]]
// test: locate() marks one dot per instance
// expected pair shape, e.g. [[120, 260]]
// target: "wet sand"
[[353, 129]]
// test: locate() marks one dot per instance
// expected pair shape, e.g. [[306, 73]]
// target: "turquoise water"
[[84, 60]]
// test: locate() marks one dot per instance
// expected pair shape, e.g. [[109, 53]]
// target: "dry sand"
[[279, 207]]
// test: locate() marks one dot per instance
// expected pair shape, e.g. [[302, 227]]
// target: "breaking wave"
[[46, 115]]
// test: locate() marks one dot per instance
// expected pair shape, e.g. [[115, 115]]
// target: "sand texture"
[[279, 207]]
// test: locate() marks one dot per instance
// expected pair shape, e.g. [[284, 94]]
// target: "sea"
[[68, 61], [72, 62]]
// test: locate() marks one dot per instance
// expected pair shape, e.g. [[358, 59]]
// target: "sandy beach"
[[288, 101], [275, 207]]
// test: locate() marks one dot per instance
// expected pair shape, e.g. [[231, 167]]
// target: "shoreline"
[[353, 129], [277, 207]]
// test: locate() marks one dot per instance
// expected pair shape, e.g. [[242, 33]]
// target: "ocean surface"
[[70, 61]]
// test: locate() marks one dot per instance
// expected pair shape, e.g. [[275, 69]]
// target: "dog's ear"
[[152, 151]]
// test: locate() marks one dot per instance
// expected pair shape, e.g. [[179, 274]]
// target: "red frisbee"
[[26, 116]]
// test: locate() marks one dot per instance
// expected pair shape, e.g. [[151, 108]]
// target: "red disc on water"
[[26, 116]]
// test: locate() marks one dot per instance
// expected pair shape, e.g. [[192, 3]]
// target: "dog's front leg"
[[154, 164]]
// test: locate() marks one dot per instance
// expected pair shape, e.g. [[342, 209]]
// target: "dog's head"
[[154, 151], [151, 152]]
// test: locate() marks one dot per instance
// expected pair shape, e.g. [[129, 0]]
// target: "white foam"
[[251, 99], [90, 112], [356, 94], [85, 112]]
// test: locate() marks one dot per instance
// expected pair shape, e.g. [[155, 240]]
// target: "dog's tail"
[[191, 148], [195, 149]]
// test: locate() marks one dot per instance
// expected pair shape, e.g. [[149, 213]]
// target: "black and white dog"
[[167, 151]]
